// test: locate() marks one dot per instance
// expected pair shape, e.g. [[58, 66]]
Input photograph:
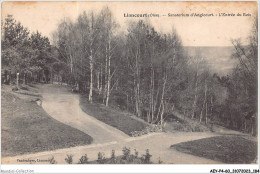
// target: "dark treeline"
[[142, 71], [30, 55]]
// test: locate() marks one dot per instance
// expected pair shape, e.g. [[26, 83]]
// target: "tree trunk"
[[71, 65], [5, 79], [162, 99], [91, 77], [137, 98], [98, 85], [91, 61], [206, 114], [101, 80], [156, 100], [211, 109], [148, 117], [51, 76], [253, 126], [127, 102], [245, 126], [137, 84], [24, 78], [109, 74], [204, 103], [195, 97], [162, 113], [151, 95], [106, 77], [17, 80], [152, 87]]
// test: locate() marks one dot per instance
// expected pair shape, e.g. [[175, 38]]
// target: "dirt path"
[[64, 107]]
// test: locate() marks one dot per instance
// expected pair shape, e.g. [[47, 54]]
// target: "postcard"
[[110, 82]]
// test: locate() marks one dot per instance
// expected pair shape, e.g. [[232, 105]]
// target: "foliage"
[[141, 70], [126, 158], [24, 53], [147, 130], [126, 153], [101, 158], [69, 159], [147, 157], [136, 153], [83, 159], [159, 161], [113, 157], [52, 160]]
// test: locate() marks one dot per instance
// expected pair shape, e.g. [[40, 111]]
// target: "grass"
[[176, 122], [228, 149], [185, 126], [111, 116], [114, 116], [27, 128]]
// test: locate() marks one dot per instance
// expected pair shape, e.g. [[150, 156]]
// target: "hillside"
[[27, 128]]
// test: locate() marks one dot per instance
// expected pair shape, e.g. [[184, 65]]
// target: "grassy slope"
[[177, 123], [227, 149], [111, 117], [27, 128], [122, 121]]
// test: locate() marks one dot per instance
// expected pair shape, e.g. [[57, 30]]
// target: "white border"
[[118, 168]]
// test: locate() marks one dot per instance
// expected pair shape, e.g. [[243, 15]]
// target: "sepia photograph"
[[110, 82]]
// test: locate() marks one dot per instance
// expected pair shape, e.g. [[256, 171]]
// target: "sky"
[[194, 31]]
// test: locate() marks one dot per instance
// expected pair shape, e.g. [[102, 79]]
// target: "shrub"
[[113, 154], [147, 130], [83, 159], [159, 161], [126, 158], [101, 158], [24, 88], [52, 160], [136, 153], [198, 128], [69, 159], [113, 157], [147, 157], [15, 89], [126, 153]]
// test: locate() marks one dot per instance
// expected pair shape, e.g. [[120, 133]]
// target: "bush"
[[126, 158], [136, 154], [113, 154], [69, 159], [24, 88], [83, 159], [159, 161], [126, 153], [147, 157], [113, 157], [52, 160], [15, 89], [101, 158], [147, 130], [186, 126]]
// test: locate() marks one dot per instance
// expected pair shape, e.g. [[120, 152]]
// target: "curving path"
[[64, 107]]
